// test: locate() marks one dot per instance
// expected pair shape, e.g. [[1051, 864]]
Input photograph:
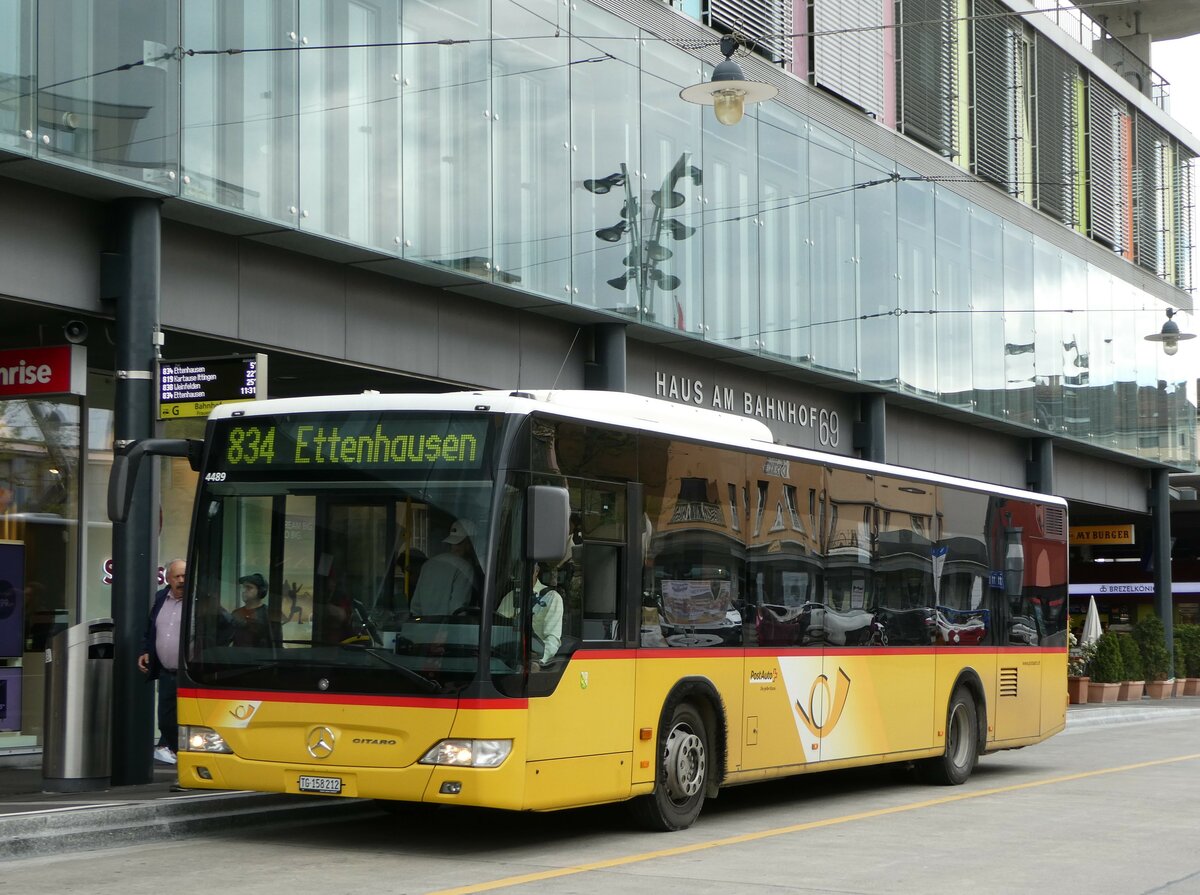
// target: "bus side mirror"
[[548, 522], [125, 468]]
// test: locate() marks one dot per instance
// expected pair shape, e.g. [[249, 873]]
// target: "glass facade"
[[544, 148], [55, 455], [108, 88]]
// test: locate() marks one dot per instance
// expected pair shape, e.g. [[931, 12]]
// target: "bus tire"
[[955, 765], [682, 776]]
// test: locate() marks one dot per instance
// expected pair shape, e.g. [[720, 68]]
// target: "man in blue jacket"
[[160, 657]]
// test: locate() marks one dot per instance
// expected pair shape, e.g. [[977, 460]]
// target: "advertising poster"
[[12, 598], [695, 602], [10, 698]]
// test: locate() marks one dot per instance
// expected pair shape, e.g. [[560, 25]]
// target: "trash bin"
[[76, 748]]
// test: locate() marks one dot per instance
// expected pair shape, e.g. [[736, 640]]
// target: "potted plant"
[[1135, 683], [1077, 663], [1106, 670], [1179, 666], [1156, 661], [1190, 637]]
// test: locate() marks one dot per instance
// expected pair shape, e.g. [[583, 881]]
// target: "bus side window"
[[602, 562]]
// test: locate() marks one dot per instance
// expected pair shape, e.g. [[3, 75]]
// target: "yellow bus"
[[542, 600]]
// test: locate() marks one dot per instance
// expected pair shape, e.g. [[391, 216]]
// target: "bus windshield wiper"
[[390, 660]]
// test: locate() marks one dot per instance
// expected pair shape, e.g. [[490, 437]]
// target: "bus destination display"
[[191, 388], [304, 442]]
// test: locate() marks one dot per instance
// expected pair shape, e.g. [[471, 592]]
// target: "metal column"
[[137, 227], [1160, 520], [606, 370], [1040, 468], [870, 432]]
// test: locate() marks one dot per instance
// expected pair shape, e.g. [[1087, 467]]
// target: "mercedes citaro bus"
[[539, 600]]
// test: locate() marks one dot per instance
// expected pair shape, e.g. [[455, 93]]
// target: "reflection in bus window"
[[845, 617], [696, 556], [1024, 539], [903, 562], [785, 565], [961, 564]]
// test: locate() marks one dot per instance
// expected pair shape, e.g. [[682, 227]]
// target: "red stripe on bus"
[[833, 651], [604, 654], [353, 699], [493, 703]]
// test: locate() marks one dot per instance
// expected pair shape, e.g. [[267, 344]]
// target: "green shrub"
[[1079, 660], [1132, 657], [1107, 667], [1180, 665], [1151, 641], [1189, 635]]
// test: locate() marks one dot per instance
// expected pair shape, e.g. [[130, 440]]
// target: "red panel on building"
[[53, 370]]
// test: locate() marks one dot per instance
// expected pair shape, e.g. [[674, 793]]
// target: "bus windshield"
[[356, 577]]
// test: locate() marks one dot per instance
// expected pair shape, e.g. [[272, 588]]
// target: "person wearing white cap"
[[449, 579]]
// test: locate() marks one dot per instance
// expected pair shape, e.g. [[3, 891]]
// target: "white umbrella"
[[1091, 625]]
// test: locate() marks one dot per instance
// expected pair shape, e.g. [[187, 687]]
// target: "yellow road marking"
[[793, 828]]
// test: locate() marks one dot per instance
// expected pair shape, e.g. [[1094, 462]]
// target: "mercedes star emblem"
[[320, 742]]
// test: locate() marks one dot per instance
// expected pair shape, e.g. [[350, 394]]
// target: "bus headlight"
[[201, 739], [469, 753]]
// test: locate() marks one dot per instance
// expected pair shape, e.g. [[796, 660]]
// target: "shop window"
[[39, 499]]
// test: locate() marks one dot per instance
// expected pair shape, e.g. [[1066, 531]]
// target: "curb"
[[1118, 717], [114, 825]]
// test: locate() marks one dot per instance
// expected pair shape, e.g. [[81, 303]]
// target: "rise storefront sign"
[[53, 370]]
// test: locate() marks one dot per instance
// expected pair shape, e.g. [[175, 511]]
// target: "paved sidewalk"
[[1143, 711], [34, 823]]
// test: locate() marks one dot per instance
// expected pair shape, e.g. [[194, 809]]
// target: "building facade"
[[941, 245]]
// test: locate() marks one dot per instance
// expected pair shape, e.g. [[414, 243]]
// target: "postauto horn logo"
[[840, 695]]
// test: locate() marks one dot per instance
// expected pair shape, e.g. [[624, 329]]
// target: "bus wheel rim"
[[686, 763], [956, 746]]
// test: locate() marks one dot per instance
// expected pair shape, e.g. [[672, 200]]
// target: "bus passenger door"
[[581, 705]]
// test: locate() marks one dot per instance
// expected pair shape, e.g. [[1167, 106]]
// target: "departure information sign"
[[190, 388], [329, 443]]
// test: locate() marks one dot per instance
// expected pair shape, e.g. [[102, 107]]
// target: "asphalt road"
[[1106, 809]]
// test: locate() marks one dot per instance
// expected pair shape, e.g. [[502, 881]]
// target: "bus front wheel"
[[955, 765], [682, 776]]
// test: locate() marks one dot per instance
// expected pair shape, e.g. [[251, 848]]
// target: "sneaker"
[[163, 754]]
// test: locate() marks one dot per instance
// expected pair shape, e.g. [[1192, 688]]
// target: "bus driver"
[[547, 617]]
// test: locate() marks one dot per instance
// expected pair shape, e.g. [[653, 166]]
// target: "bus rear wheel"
[[682, 777], [955, 765]]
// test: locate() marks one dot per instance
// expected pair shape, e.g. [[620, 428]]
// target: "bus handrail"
[[125, 468]]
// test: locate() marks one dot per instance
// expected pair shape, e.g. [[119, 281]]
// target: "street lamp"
[[728, 92], [1169, 335]]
